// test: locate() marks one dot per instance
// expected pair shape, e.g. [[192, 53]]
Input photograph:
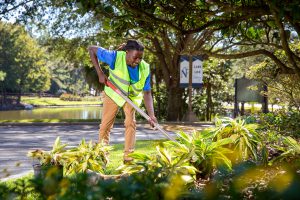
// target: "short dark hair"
[[133, 45]]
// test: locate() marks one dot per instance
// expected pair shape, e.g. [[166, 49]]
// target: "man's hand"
[[103, 79], [152, 120]]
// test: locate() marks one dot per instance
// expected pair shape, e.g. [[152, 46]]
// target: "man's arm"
[[93, 54], [148, 100]]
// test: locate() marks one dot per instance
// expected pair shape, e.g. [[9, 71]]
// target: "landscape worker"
[[131, 74]]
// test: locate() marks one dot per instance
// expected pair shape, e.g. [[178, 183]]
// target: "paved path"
[[16, 141]]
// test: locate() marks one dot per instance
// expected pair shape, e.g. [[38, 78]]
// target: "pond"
[[80, 112]]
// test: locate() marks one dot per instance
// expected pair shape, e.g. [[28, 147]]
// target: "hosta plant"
[[49, 161], [52, 157], [165, 164], [92, 156]]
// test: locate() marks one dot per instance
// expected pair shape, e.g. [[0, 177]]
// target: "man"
[[131, 74]]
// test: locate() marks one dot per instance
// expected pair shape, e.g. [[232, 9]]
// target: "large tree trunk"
[[174, 109], [168, 55]]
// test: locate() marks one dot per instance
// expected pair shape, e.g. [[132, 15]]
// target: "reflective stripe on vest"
[[120, 77]]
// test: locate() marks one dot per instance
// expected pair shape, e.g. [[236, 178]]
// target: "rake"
[[156, 125]]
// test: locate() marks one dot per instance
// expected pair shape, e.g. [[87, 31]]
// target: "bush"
[[70, 97], [91, 98], [285, 123]]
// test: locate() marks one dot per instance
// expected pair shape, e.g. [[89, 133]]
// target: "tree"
[[70, 63], [170, 28], [208, 27], [22, 60], [282, 88], [264, 35]]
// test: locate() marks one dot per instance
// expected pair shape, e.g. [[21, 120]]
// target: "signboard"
[[197, 73], [245, 94]]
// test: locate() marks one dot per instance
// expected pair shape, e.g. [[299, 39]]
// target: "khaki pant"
[[110, 109]]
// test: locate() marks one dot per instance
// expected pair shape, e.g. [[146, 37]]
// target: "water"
[[83, 112]]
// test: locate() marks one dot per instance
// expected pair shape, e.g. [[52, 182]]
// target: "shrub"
[[70, 97], [245, 137], [52, 157], [286, 123], [165, 164], [205, 153], [85, 156]]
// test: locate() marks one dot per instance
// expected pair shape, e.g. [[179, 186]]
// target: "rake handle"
[[156, 125]]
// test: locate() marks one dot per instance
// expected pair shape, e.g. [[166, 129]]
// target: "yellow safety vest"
[[120, 77]]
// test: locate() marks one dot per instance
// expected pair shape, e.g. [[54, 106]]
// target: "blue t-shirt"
[[109, 57]]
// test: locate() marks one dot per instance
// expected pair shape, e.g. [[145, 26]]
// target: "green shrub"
[[205, 153], [52, 157], [69, 97], [137, 186], [290, 151], [285, 123], [166, 164], [247, 180], [92, 156], [245, 137]]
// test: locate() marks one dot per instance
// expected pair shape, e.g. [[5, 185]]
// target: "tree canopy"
[[212, 28], [22, 60]]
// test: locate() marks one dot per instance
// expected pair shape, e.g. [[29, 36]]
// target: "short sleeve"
[[106, 56], [147, 85]]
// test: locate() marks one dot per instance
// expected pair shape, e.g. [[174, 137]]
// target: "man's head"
[[134, 52]]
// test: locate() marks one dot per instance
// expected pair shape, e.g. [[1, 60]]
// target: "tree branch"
[[280, 64], [151, 16], [161, 57], [283, 37], [4, 11]]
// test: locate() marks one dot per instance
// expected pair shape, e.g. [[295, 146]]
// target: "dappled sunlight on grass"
[[116, 155]]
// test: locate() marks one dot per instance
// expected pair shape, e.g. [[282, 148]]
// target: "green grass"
[[116, 155], [55, 101]]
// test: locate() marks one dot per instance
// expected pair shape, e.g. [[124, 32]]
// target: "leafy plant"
[[283, 122], [244, 136], [86, 156], [290, 151], [52, 157], [165, 164], [207, 154]]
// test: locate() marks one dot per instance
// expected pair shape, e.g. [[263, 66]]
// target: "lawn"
[[55, 101], [116, 155]]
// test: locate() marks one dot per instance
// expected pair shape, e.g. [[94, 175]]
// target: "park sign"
[[249, 90], [197, 73]]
